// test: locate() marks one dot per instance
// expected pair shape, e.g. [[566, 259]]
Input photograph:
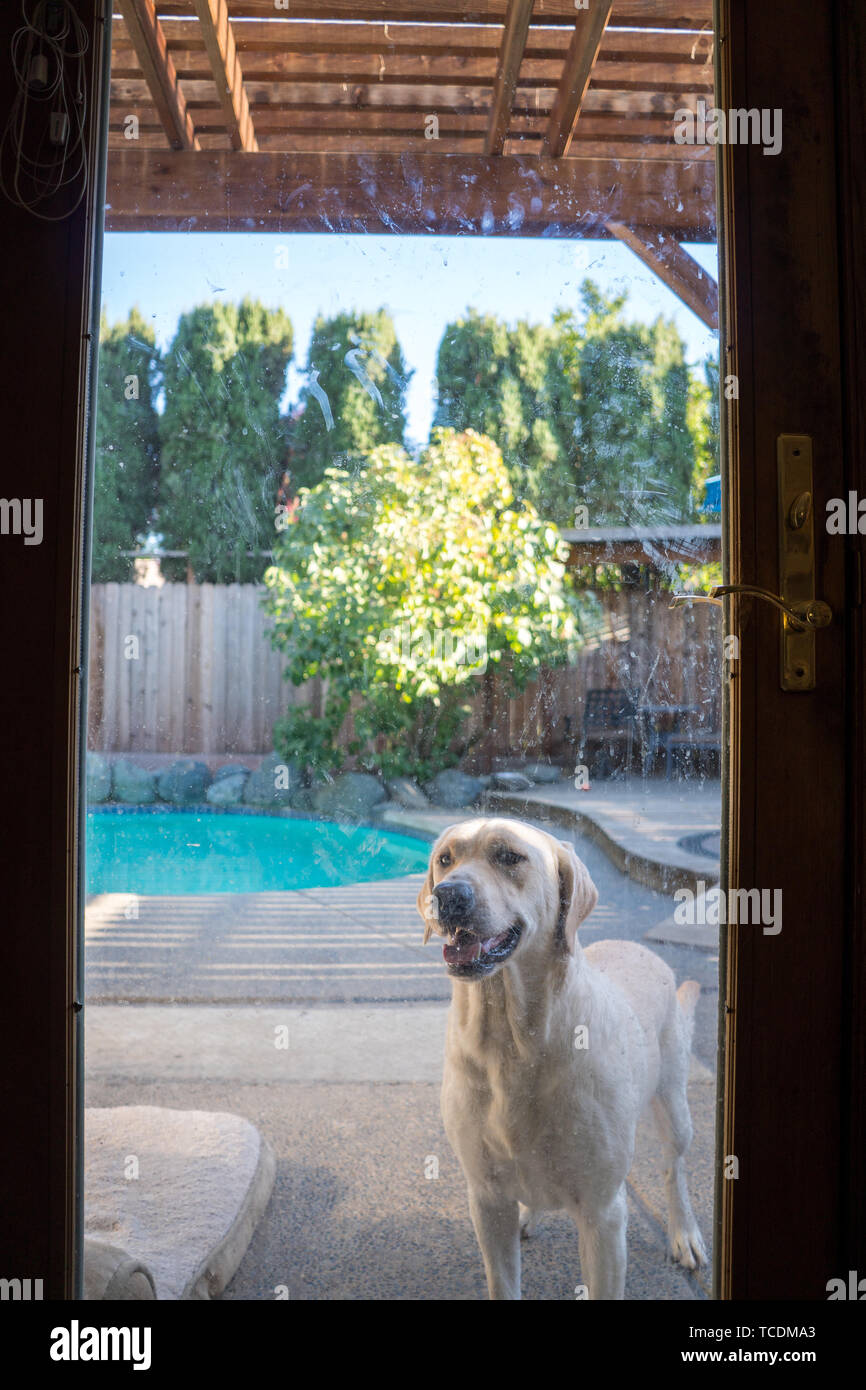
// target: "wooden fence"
[[189, 669]]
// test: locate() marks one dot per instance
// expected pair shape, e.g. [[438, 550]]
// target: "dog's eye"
[[509, 857], [445, 859]]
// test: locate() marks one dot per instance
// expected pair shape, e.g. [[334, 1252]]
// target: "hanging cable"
[[42, 150]]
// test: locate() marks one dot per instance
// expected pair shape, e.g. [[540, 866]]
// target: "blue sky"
[[425, 283]]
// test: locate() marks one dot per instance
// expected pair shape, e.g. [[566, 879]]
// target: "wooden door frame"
[[793, 1023], [795, 1040], [851, 134], [47, 361]]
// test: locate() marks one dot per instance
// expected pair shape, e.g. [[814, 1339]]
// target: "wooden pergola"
[[496, 117]]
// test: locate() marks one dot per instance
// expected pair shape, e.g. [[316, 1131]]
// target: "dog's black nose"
[[456, 901]]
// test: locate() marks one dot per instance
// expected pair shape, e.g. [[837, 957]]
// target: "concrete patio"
[[351, 1112], [347, 1100]]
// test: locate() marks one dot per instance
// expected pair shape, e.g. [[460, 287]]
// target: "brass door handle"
[[808, 614], [803, 613]]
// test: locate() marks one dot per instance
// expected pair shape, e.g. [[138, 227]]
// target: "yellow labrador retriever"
[[553, 1052]]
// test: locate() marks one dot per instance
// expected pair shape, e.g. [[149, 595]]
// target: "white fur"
[[536, 1122]]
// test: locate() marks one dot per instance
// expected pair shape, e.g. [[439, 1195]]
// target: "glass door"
[[433, 432]]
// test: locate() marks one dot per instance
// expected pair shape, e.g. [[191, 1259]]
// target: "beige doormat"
[[172, 1198]]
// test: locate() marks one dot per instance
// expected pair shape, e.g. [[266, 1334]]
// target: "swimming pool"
[[194, 852]]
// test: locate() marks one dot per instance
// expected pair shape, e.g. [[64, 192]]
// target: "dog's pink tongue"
[[459, 953]]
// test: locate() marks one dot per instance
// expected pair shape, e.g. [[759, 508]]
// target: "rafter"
[[637, 14], [219, 42], [149, 42], [680, 272], [507, 68], [469, 40], [589, 30]]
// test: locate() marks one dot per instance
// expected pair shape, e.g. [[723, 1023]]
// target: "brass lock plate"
[[796, 556]]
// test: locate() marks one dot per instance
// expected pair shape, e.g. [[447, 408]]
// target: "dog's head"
[[497, 887]]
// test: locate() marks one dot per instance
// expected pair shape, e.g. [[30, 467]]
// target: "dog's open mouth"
[[467, 954]]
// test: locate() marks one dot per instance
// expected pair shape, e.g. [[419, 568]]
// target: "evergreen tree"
[[354, 398], [635, 453], [607, 362], [223, 442], [509, 384], [672, 441], [126, 445]]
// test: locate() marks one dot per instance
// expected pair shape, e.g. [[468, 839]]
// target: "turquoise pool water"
[[185, 852]]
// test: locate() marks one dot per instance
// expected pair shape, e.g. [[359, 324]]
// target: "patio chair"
[[694, 737], [609, 723]]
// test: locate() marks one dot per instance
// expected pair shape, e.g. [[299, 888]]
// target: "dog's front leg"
[[497, 1228], [601, 1239]]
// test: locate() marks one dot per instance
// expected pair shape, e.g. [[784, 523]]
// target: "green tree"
[[126, 445], [671, 441], [400, 583], [703, 417], [223, 442], [635, 450], [703, 414], [355, 394], [509, 383], [608, 365]]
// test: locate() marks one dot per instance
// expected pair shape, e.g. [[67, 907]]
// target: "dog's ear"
[[425, 902], [578, 894]]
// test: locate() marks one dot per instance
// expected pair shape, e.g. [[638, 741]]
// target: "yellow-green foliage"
[[402, 582]]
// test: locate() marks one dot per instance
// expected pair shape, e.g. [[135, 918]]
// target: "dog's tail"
[[687, 997]]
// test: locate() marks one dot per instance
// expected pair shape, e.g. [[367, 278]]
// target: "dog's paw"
[[687, 1247], [528, 1222]]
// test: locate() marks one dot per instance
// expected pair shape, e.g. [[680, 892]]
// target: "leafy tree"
[[509, 383], [399, 583], [223, 444], [126, 445], [355, 394], [703, 412]]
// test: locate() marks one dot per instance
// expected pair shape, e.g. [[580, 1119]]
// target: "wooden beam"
[[148, 39], [280, 73], [301, 139], [623, 114], [586, 40], [219, 42], [679, 271], [267, 103], [319, 117], [507, 67], [637, 14], [448, 194], [304, 143], [262, 36]]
